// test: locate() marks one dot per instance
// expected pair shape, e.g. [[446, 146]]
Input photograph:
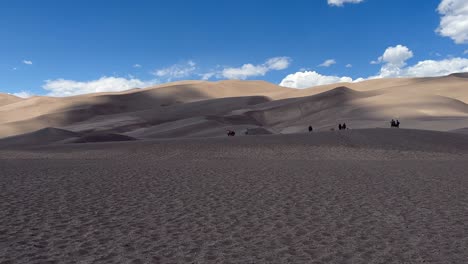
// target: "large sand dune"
[[197, 108]]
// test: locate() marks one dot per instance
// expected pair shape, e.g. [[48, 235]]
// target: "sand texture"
[[357, 196]]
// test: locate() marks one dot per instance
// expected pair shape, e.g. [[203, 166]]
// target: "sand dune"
[[51, 135], [43, 136], [198, 108], [6, 99], [355, 196]]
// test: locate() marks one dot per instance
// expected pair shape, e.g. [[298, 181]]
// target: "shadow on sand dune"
[[51, 136]]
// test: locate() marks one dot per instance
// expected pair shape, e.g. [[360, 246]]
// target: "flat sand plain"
[[358, 196]]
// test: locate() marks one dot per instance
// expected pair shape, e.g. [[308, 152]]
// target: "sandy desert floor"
[[370, 196]]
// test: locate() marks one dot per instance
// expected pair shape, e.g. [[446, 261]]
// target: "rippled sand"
[[272, 199]]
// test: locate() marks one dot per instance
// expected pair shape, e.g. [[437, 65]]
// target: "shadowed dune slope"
[[199, 108], [102, 137], [384, 139], [43, 136]]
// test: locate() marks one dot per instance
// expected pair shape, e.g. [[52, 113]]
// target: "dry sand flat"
[[359, 196]]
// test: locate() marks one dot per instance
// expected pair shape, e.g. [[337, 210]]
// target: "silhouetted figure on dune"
[[230, 133], [340, 127], [344, 126], [395, 123], [310, 129]]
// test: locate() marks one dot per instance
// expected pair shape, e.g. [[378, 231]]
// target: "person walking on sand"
[[310, 129], [344, 126], [340, 127]]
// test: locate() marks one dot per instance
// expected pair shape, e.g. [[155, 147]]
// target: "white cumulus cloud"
[[454, 20], [251, 70], [27, 62], [393, 60], [311, 78], [62, 87], [328, 63], [177, 71], [349, 65], [342, 2], [437, 68], [394, 65], [397, 55]]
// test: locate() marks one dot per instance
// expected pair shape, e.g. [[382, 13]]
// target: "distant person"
[[397, 124], [310, 129], [392, 123], [340, 127], [344, 126], [231, 133]]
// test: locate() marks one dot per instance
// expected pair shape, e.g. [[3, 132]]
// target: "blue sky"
[[65, 47]]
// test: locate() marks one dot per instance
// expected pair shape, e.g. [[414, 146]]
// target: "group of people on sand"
[[340, 127], [395, 123]]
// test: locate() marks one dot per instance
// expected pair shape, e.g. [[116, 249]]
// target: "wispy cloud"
[[342, 2], [23, 94], [136, 65], [176, 71], [207, 76], [27, 62], [328, 63], [251, 70], [62, 87]]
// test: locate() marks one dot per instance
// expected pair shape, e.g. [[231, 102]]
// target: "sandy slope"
[[358, 196], [6, 99], [197, 108]]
